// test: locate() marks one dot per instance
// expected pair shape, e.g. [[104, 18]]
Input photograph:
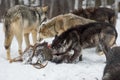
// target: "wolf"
[[112, 68], [20, 21], [101, 14], [59, 24], [83, 36]]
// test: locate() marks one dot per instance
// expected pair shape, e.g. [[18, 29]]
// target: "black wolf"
[[101, 14], [112, 68], [83, 36]]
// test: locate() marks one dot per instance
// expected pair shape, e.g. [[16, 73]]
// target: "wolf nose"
[[6, 47]]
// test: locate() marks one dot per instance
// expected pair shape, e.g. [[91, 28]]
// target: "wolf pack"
[[72, 32]]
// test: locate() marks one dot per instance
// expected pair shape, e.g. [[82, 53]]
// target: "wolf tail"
[[6, 22], [6, 25], [6, 28], [107, 51]]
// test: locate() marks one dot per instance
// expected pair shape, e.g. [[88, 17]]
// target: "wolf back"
[[101, 14]]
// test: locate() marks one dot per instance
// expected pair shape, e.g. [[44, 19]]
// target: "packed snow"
[[91, 68]]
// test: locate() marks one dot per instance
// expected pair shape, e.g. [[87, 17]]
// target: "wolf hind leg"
[[8, 54], [109, 40], [19, 40], [7, 46], [34, 36], [26, 36], [8, 49]]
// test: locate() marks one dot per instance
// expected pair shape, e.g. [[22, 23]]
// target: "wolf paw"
[[10, 61]]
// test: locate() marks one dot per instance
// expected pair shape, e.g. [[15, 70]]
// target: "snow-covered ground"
[[91, 68]]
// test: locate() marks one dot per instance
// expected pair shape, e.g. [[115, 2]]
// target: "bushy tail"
[[107, 51], [6, 28], [6, 22]]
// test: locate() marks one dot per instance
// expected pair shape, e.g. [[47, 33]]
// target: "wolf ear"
[[45, 8]]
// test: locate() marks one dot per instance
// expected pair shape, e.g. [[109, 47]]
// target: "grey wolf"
[[59, 24], [101, 14], [83, 36], [20, 21], [112, 68]]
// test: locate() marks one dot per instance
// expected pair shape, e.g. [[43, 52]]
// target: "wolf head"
[[60, 45], [47, 29]]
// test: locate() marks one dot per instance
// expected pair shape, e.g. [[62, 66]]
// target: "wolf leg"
[[77, 55], [80, 58], [7, 45], [34, 36], [19, 40], [26, 36], [109, 40], [8, 54]]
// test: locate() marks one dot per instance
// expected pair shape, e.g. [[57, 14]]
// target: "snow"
[[91, 68]]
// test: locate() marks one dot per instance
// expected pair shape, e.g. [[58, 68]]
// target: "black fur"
[[112, 68], [83, 36]]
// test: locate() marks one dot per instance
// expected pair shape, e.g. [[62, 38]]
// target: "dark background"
[[56, 7]]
